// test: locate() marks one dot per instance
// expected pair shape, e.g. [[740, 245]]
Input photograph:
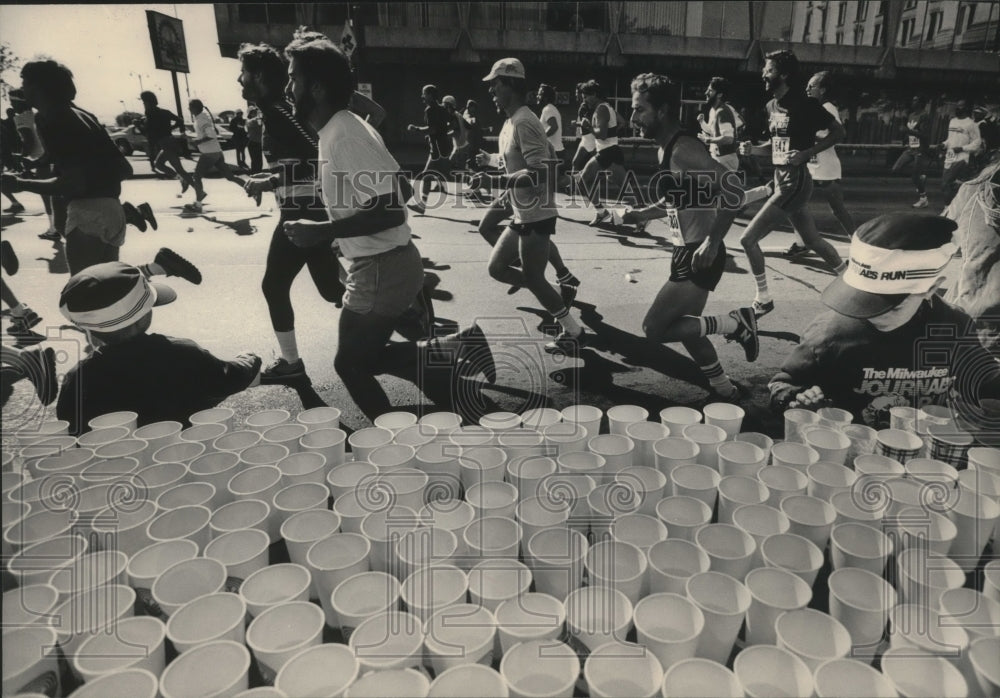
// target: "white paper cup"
[[974, 612], [621, 416], [834, 417], [245, 513], [982, 655], [108, 471], [672, 562], [155, 479], [326, 669], [38, 527], [566, 437], [812, 636], [216, 669], [761, 441], [573, 489], [190, 522], [708, 437], [344, 478], [616, 450], [481, 464], [471, 435], [795, 419], [920, 628], [831, 445], [930, 470], [582, 463], [30, 661], [849, 678], [362, 596], [449, 514], [364, 441], [772, 671], [606, 503], [301, 497], [258, 482], [500, 421], [876, 464], [182, 452], [492, 498], [125, 529], [334, 559], [741, 458], [904, 418], [440, 460], [724, 602], [187, 580], [418, 435], [319, 418], [422, 547], [991, 580], [697, 481], [644, 435], [982, 482], [539, 513], [444, 422], [827, 479], [730, 549], [668, 625], [329, 443], [683, 516], [276, 585], [114, 419], [540, 417], [491, 582], [530, 616], [700, 678], [725, 415], [159, 434], [298, 468], [975, 517], [101, 436], [459, 634], [304, 528], [671, 452], [393, 682], [90, 612], [493, 537], [241, 552], [793, 455], [470, 680], [136, 683], [640, 530], [206, 619], [782, 481], [29, 605], [851, 507], [861, 601], [214, 415], [678, 417], [281, 632], [392, 456], [793, 553], [556, 558], [35, 564], [984, 458], [862, 440], [395, 421], [648, 484], [390, 640], [916, 673], [136, 643], [236, 441], [149, 563], [736, 491], [860, 546], [586, 416], [922, 578], [203, 433], [914, 527], [596, 616], [187, 494], [351, 511], [773, 591], [622, 669], [527, 473], [809, 517]]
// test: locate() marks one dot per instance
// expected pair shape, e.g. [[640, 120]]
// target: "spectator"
[[238, 125], [255, 140]]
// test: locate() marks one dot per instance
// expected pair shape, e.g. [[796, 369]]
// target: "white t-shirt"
[[26, 120], [523, 144], [204, 127], [825, 166], [612, 139], [549, 111], [961, 132], [356, 167]]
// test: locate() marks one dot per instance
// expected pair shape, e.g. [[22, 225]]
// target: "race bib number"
[[673, 222], [814, 160], [949, 157], [914, 142], [780, 145]]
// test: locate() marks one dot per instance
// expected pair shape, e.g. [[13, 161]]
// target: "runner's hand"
[[746, 148], [304, 233], [705, 254], [255, 186], [480, 180], [797, 157], [482, 158], [808, 399]]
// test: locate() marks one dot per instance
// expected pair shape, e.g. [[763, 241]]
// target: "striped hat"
[[891, 257], [111, 296]]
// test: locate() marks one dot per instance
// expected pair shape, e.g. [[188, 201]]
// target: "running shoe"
[[795, 250], [185, 183], [175, 265], [740, 392], [602, 215], [50, 235], [746, 332], [566, 343], [761, 309], [922, 202], [640, 227], [147, 213], [281, 371], [8, 259], [417, 207], [14, 208], [133, 217]]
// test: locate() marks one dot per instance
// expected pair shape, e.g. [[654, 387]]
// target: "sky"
[[107, 48]]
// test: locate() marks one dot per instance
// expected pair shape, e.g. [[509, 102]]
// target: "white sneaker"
[[922, 202]]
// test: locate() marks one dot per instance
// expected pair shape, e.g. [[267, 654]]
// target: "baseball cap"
[[891, 257], [450, 100], [506, 67], [111, 296]]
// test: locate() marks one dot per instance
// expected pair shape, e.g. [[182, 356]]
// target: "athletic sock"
[[568, 323], [718, 324], [287, 346], [561, 272], [761, 280], [52, 223], [565, 278], [718, 379], [152, 269], [19, 310]]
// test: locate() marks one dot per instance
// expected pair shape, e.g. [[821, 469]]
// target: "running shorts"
[[792, 188], [546, 227], [681, 270], [384, 283]]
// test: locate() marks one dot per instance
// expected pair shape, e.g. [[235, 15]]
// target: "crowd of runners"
[[343, 204]]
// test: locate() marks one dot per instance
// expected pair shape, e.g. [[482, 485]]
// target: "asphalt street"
[[620, 275]]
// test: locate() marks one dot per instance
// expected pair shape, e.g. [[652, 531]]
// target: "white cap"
[[506, 67]]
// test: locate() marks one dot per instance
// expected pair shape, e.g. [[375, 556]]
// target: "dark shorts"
[[824, 183], [681, 270], [792, 188], [546, 227], [610, 156]]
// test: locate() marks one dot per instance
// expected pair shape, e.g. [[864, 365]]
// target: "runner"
[[793, 120], [917, 140], [22, 317], [238, 126], [359, 179], [436, 128], [527, 158], [459, 134], [963, 140], [699, 258], [159, 128], [211, 157], [255, 140], [551, 120], [721, 125], [608, 157], [824, 167], [32, 150], [585, 150]]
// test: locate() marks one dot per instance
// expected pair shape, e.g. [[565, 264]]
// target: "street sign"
[[166, 35]]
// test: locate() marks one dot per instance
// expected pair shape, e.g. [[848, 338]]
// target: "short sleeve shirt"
[[204, 127], [158, 122], [549, 111], [356, 167], [75, 141], [825, 165], [523, 144], [793, 122], [722, 123]]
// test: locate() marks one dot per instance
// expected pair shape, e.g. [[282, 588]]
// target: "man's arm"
[[602, 117], [71, 181], [551, 126], [379, 213]]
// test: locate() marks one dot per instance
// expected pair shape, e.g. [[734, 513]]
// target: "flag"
[[347, 40]]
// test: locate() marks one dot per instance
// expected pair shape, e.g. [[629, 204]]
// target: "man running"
[[721, 125], [699, 258], [609, 157], [290, 147], [917, 139], [211, 158], [963, 140], [459, 134], [587, 145], [436, 129], [824, 167], [551, 119], [159, 128], [529, 162], [359, 179], [793, 120], [32, 151]]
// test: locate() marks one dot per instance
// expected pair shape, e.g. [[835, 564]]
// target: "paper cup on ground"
[[344, 478], [761, 441], [481, 464], [450, 515], [827, 479], [529, 617], [622, 669], [216, 669], [275, 585], [351, 511], [582, 463], [159, 434], [114, 419], [29, 605], [418, 435], [469, 681], [984, 483], [793, 553], [834, 417], [245, 513], [206, 619], [520, 442], [149, 563], [773, 592], [493, 537], [914, 527], [326, 670], [125, 529], [676, 418], [668, 625], [741, 458], [38, 527], [108, 470], [392, 456], [862, 440], [772, 671], [460, 634], [190, 522], [30, 661], [916, 674], [975, 516], [640, 530], [299, 468], [160, 477], [384, 529], [736, 491], [91, 612], [318, 418], [471, 435], [556, 558], [101, 436], [621, 416], [395, 421], [991, 580], [362, 596], [136, 643], [241, 552], [929, 470], [187, 580], [984, 458], [587, 416], [491, 582], [975, 613], [672, 562], [700, 678], [301, 530], [329, 443], [93, 570], [539, 513], [135, 683], [606, 503], [683, 516], [390, 640], [281, 632], [265, 419], [724, 602], [849, 678], [420, 548], [334, 559], [860, 546], [793, 455], [392, 682], [782, 481], [203, 433], [616, 450], [644, 435], [708, 437], [982, 655], [725, 415], [596, 616], [214, 415], [697, 481], [566, 437], [526, 474], [861, 601], [810, 518], [795, 419], [236, 441], [540, 417], [672, 452], [303, 496], [920, 628], [898, 444], [851, 507], [649, 485], [187, 494], [573, 490], [181, 452], [812, 636], [831, 445], [364, 441], [730, 549], [922, 578]]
